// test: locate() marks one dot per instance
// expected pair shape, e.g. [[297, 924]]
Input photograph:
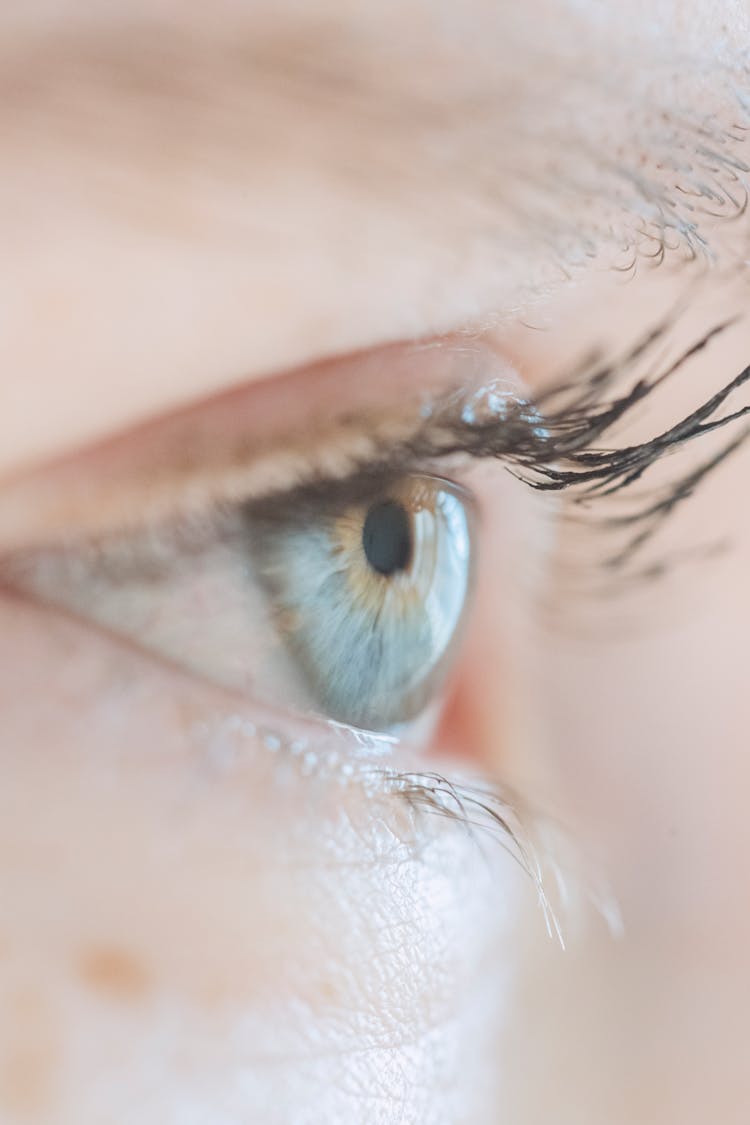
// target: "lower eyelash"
[[568, 886], [565, 885]]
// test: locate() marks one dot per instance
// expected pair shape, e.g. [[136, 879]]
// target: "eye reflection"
[[369, 596]]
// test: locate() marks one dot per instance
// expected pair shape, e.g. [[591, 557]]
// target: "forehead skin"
[[186, 204]]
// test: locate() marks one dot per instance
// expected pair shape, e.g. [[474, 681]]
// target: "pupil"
[[386, 537]]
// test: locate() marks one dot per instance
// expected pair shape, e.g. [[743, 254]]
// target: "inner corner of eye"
[[373, 595]]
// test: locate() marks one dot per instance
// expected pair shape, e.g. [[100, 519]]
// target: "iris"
[[368, 595]]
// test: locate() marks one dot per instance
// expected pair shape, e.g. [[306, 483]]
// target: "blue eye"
[[369, 596], [344, 600]]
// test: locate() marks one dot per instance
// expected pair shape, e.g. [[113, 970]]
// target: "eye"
[[291, 541], [369, 595], [341, 600]]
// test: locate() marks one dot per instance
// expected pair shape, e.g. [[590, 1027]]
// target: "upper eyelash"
[[589, 472], [553, 443]]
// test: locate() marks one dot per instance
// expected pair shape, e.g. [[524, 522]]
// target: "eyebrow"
[[515, 142], [488, 166]]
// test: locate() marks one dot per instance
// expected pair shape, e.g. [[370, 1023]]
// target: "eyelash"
[[552, 445], [560, 455], [484, 811], [587, 473]]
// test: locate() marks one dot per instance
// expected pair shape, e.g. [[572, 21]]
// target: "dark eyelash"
[[576, 465], [578, 424], [555, 443]]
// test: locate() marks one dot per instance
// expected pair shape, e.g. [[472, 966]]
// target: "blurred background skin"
[[193, 200]]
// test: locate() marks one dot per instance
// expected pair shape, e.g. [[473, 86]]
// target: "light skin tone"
[[243, 219]]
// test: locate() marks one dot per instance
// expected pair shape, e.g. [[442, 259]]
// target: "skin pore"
[[194, 928]]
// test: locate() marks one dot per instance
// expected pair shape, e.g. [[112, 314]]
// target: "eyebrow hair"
[[454, 173], [454, 130]]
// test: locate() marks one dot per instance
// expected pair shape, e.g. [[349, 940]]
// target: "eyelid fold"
[[393, 407], [220, 453]]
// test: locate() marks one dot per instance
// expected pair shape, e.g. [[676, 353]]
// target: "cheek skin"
[[231, 945], [644, 706]]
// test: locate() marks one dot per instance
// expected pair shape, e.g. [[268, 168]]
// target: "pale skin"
[[189, 209]]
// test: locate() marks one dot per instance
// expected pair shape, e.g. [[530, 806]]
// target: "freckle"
[[328, 991], [30, 1061], [114, 973]]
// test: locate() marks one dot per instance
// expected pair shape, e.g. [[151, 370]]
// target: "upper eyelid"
[[554, 452], [223, 452]]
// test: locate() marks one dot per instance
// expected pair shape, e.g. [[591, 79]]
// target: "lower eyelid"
[[96, 674], [77, 671], [138, 713], [492, 676], [200, 767], [133, 713]]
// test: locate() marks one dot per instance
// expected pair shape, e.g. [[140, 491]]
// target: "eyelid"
[[336, 419]]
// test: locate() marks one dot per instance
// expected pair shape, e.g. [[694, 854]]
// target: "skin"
[[191, 931]]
